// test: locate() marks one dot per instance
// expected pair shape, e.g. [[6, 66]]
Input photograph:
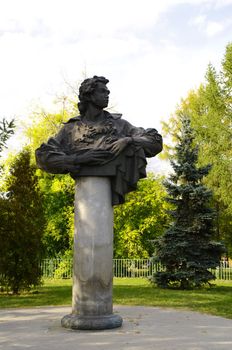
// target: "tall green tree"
[[209, 108], [186, 249], [140, 220], [21, 230]]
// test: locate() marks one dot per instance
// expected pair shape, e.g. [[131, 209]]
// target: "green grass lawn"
[[131, 291]]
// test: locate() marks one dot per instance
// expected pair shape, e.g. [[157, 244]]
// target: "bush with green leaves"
[[141, 219]]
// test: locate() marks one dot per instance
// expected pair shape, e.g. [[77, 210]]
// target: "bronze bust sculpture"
[[99, 143]]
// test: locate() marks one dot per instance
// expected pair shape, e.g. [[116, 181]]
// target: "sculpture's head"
[[93, 90]]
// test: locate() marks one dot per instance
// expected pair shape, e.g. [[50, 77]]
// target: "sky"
[[152, 51]]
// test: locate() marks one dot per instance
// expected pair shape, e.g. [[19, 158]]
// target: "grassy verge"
[[128, 291], [52, 292], [215, 301]]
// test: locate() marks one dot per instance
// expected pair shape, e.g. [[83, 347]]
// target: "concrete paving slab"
[[144, 328]]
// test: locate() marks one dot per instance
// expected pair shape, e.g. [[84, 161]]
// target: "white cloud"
[[73, 17], [222, 3], [198, 21], [208, 27], [214, 28]]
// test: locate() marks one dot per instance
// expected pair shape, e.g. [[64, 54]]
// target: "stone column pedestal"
[[93, 257]]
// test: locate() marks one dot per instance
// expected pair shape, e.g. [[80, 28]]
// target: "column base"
[[73, 321]]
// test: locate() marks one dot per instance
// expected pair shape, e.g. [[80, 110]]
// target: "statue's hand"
[[93, 157], [118, 146]]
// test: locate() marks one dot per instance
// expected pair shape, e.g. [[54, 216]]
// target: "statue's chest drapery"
[[84, 136]]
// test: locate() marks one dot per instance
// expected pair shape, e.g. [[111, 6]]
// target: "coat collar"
[[108, 115]]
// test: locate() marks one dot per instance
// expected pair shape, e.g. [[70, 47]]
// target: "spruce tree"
[[187, 249]]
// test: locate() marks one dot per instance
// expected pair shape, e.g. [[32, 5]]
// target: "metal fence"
[[56, 268], [223, 272], [135, 267], [62, 268]]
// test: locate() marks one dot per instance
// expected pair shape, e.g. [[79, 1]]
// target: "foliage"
[[140, 219], [58, 190], [58, 206], [210, 111], [64, 268], [186, 249], [6, 130], [21, 229], [43, 126]]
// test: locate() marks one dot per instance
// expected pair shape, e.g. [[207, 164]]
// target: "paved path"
[[144, 328]]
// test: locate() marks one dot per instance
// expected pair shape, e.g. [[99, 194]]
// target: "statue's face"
[[100, 96]]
